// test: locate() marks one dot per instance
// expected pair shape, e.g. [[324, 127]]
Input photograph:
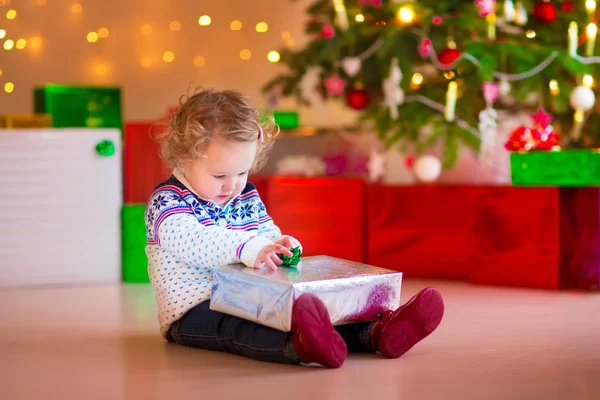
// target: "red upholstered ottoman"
[[325, 214], [143, 167], [419, 230], [514, 237], [580, 237]]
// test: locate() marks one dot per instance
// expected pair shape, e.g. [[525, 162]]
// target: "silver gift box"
[[351, 291]]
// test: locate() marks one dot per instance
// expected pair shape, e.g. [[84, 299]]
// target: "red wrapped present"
[[515, 237], [143, 166], [325, 214], [419, 230], [580, 237]]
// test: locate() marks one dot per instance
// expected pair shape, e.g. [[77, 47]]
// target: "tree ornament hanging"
[[335, 85], [521, 14], [351, 66], [544, 12], [358, 99], [448, 56], [393, 93]]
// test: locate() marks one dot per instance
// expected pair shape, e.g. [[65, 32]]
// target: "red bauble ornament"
[[567, 6], [544, 12], [448, 56], [358, 99]]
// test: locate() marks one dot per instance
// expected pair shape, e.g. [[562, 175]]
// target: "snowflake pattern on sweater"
[[189, 236]]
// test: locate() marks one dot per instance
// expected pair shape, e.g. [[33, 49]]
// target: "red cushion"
[[143, 166], [419, 230], [580, 237], [326, 215], [514, 237]]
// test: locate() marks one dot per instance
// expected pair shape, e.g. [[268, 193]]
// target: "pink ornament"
[[485, 6], [541, 119], [328, 31], [425, 47], [437, 20], [335, 85], [491, 91], [374, 3]]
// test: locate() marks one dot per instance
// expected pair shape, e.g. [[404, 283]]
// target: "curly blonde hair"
[[205, 114]]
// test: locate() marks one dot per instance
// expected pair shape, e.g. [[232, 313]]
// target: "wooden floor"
[[102, 342]]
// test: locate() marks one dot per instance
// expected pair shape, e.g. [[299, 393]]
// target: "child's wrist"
[[248, 252]]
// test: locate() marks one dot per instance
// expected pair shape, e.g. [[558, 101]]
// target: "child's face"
[[223, 174]]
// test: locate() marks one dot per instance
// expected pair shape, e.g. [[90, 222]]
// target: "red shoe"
[[314, 337], [398, 331]]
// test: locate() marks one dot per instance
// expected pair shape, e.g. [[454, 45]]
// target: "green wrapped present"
[[79, 106], [286, 119], [556, 168], [133, 237]]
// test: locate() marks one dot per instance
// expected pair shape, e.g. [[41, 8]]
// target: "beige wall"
[[65, 56]]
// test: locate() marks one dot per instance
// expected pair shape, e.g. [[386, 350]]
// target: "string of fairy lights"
[[35, 43]]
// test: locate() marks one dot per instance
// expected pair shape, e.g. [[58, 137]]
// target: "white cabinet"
[[60, 205]]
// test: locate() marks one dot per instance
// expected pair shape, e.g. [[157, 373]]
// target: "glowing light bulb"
[[199, 61], [101, 69], [262, 27], [9, 44], [587, 81], [417, 79], [204, 20], [146, 29], [235, 25], [530, 34], [175, 26], [245, 54], [103, 33], [11, 14], [273, 56], [146, 61], [168, 56], [92, 37], [36, 42], [359, 18], [9, 87], [554, 89], [406, 15], [2, 33], [21, 43]]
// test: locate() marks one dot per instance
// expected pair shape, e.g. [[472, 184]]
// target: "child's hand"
[[286, 242], [268, 255]]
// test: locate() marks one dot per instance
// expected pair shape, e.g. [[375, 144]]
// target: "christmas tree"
[[437, 70]]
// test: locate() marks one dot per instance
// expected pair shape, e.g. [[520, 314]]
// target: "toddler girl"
[[207, 214]]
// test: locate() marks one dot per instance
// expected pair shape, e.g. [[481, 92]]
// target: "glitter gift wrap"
[[351, 291]]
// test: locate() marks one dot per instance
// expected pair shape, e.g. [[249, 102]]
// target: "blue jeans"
[[211, 330]]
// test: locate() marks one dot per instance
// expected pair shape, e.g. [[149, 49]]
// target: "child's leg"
[[357, 336], [313, 338], [211, 330], [397, 331]]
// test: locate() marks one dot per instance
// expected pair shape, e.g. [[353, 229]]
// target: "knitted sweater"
[[188, 236]]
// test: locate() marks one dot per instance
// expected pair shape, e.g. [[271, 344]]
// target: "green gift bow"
[[106, 148], [293, 260]]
